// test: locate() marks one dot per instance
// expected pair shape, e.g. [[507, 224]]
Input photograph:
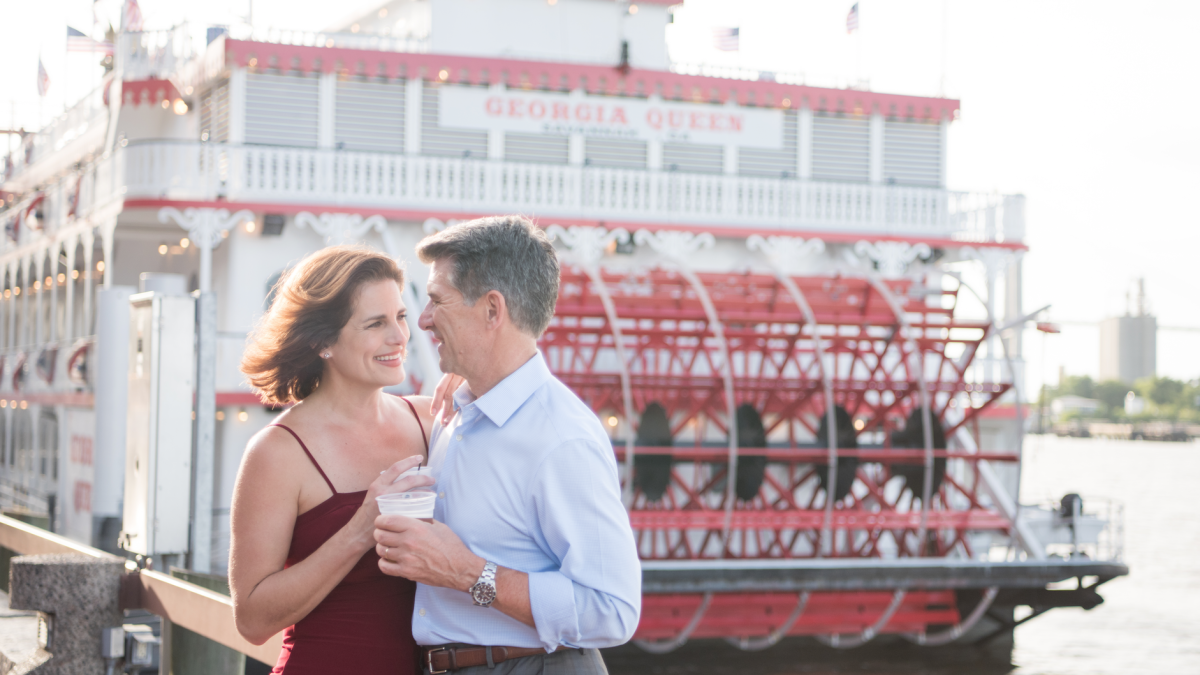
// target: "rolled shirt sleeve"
[[594, 597]]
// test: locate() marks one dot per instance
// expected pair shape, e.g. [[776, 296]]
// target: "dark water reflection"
[[807, 657], [1149, 623]]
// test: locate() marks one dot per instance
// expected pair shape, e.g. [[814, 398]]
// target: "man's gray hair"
[[508, 254]]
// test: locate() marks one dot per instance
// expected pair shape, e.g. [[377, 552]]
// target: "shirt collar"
[[502, 401]]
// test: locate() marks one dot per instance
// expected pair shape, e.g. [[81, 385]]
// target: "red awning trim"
[[150, 92], [605, 80]]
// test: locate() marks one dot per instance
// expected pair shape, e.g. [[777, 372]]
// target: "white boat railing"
[[88, 113], [210, 171]]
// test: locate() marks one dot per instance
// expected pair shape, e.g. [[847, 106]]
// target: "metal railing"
[[88, 117], [370, 41], [210, 171], [184, 604]]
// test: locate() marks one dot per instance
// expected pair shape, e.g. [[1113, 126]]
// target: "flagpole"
[[945, 29], [41, 92], [857, 57]]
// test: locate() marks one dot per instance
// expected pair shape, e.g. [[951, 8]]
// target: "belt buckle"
[[429, 661]]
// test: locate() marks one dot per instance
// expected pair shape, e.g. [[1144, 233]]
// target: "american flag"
[[78, 42], [43, 79], [131, 17], [852, 19], [726, 39]]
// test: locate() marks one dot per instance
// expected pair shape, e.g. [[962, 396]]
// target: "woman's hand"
[[389, 482], [442, 405]]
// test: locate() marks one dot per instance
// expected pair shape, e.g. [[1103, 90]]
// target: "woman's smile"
[[391, 360]]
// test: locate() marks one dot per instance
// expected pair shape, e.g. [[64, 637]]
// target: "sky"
[[1086, 108]]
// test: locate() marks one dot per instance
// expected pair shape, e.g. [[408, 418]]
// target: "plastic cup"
[[415, 471], [414, 504]]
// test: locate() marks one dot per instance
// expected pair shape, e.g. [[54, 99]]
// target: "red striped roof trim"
[[606, 80]]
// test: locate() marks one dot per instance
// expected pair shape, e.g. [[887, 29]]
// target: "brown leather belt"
[[446, 659]]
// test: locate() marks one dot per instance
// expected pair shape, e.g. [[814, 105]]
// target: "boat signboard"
[[609, 117]]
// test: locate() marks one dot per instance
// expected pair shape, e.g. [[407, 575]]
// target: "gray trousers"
[[561, 662]]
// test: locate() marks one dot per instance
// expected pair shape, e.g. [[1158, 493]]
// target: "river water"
[[1149, 622]]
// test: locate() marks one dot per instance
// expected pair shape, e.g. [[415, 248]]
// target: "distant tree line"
[[1166, 398]]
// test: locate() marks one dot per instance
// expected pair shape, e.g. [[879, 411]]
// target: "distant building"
[[1080, 406], [1128, 344]]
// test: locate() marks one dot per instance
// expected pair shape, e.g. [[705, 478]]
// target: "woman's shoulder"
[[420, 405], [274, 446]]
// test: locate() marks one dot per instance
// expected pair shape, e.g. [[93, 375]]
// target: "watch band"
[[483, 593]]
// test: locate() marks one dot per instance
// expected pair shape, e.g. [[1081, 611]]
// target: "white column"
[[876, 170], [942, 150], [730, 154], [69, 299], [52, 274], [326, 109], [6, 312], [413, 104], [654, 155], [575, 150], [654, 147], [107, 234], [38, 335], [237, 106], [495, 144], [804, 137], [89, 243], [204, 227], [496, 136]]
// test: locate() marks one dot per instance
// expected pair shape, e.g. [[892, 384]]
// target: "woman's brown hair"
[[313, 301]]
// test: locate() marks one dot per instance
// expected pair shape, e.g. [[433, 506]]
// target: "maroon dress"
[[364, 625]]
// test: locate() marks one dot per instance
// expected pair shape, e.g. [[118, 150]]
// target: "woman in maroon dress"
[[302, 558]]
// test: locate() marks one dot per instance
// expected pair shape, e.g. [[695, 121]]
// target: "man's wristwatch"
[[484, 590]]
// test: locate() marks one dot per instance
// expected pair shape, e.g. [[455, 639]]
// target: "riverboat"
[[805, 345]]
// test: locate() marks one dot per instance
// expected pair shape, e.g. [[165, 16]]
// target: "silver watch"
[[484, 590]]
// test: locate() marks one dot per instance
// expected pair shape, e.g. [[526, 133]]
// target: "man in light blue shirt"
[[530, 560]]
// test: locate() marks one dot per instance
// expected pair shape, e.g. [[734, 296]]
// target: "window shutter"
[[281, 110], [214, 114], [615, 153], [693, 158], [912, 153], [772, 163], [841, 149], [369, 116], [447, 142], [537, 148]]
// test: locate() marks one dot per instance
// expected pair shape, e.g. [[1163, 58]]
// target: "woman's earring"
[[326, 355]]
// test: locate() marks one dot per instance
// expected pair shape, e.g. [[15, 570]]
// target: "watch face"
[[483, 593]]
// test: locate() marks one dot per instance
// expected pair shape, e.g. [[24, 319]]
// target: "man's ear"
[[496, 309]]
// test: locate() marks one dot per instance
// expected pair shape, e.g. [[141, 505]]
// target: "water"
[[1148, 624]]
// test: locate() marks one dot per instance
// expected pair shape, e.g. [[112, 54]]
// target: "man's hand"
[[428, 553]]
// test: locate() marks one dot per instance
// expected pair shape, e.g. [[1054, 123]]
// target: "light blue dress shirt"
[[527, 477]]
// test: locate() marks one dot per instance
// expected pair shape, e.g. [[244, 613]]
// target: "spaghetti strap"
[[414, 412], [310, 457]]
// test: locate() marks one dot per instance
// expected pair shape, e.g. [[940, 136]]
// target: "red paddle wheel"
[[686, 513]]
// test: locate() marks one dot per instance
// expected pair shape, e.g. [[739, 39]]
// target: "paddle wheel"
[[720, 389]]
